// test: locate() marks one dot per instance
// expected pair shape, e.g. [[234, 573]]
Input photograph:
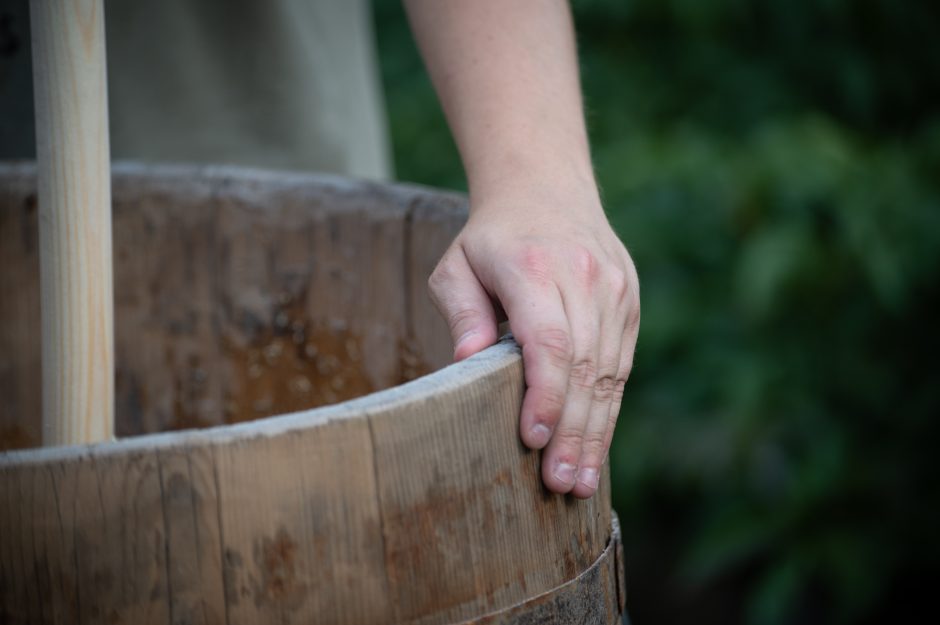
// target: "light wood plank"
[[302, 529], [190, 507], [75, 215]]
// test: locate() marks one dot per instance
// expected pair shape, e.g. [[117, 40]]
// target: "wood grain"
[[75, 215], [239, 294], [414, 504]]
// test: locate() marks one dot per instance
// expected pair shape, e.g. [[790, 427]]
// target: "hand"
[[569, 288], [537, 245]]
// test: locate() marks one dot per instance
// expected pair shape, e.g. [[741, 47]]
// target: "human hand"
[[551, 261]]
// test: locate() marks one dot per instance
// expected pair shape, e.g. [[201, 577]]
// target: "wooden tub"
[[389, 487]]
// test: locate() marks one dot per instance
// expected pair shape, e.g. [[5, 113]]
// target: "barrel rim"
[[219, 175], [216, 178], [505, 353]]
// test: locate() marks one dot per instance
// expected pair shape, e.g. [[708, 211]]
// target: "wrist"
[[551, 183]]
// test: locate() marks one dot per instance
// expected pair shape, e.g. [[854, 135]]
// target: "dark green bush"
[[773, 167]]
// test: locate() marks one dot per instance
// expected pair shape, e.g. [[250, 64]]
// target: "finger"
[[606, 389], [563, 453], [464, 304], [538, 322], [627, 354], [602, 429]]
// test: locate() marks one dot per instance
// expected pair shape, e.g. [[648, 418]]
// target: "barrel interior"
[[238, 294]]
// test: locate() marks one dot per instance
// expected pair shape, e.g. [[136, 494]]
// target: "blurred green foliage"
[[774, 168]]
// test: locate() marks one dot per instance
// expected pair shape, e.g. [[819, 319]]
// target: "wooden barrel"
[[341, 472]]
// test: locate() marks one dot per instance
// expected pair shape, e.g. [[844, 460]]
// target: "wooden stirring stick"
[[75, 220]]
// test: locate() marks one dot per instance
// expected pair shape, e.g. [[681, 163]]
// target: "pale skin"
[[537, 248]]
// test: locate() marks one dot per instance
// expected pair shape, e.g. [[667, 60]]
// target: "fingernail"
[[564, 472], [588, 477], [539, 434]]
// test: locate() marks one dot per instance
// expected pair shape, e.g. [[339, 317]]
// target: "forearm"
[[507, 76]]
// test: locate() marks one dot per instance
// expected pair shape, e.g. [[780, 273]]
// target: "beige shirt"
[[286, 84]]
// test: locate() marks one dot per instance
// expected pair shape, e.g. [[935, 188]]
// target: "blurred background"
[[773, 166]]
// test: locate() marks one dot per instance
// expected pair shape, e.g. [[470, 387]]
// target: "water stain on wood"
[[434, 539], [290, 364], [234, 586], [309, 367], [278, 583]]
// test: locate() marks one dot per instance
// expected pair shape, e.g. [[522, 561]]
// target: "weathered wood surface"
[[416, 504], [75, 216], [238, 294], [596, 596]]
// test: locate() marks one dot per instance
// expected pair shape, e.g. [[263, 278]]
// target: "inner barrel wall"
[[239, 294]]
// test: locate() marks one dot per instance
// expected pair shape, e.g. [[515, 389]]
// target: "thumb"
[[464, 304]]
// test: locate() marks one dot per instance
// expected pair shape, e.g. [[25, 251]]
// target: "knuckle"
[[551, 402], [631, 279], [568, 438], [535, 262], [594, 442], [434, 282], [461, 318], [616, 395], [604, 388], [586, 265], [619, 285], [440, 275], [556, 344], [584, 373]]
